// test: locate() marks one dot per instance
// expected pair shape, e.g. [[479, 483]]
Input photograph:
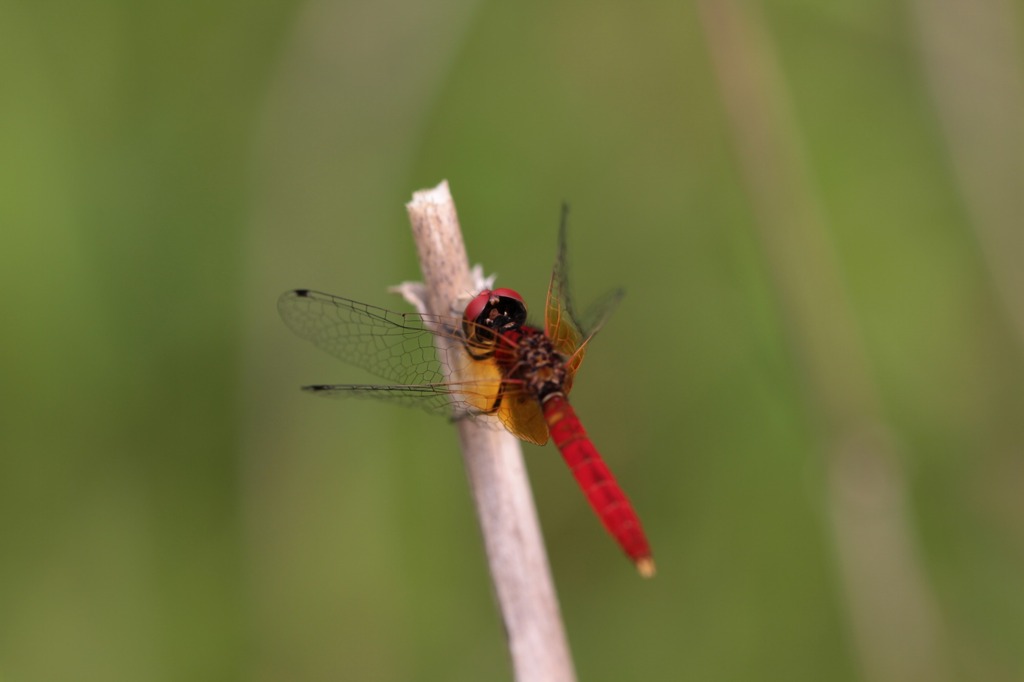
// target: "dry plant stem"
[[972, 54], [497, 476], [895, 622]]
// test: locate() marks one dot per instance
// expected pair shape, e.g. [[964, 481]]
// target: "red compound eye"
[[498, 309], [509, 293], [476, 306], [490, 297]]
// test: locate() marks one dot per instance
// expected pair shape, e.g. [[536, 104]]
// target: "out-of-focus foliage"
[[173, 508]]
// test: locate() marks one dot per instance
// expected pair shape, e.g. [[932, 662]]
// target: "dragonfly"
[[488, 364]]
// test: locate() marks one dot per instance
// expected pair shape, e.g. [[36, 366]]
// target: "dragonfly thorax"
[[529, 357]]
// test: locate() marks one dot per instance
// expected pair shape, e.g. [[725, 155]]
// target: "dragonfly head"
[[497, 311]]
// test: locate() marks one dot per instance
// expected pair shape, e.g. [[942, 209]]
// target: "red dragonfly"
[[488, 363]]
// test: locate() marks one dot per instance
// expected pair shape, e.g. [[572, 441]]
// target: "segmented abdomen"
[[596, 480]]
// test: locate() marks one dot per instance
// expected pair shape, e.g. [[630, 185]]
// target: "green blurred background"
[[822, 427]]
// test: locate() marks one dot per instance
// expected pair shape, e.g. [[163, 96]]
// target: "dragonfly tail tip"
[[645, 566]]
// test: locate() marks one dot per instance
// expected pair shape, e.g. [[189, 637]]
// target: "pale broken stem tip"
[[645, 567]]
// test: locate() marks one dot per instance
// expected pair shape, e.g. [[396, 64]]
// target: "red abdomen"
[[597, 482]]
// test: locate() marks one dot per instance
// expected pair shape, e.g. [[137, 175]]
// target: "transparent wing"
[[434, 398], [398, 347], [570, 333], [599, 312], [425, 355], [560, 323]]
